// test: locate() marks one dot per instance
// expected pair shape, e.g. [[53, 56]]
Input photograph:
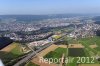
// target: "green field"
[[17, 50], [57, 53], [13, 54], [31, 64], [91, 41], [72, 41], [89, 52], [76, 52]]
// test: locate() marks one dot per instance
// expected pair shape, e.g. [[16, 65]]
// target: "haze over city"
[[37, 7]]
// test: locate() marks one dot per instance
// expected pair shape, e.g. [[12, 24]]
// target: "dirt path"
[[62, 60], [72, 46]]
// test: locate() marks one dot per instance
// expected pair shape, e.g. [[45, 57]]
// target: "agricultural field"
[[90, 49], [76, 52], [12, 54], [89, 65], [31, 64], [91, 41], [72, 41], [9, 47], [57, 53]]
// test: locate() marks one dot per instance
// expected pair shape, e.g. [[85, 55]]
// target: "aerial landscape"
[[49, 33]]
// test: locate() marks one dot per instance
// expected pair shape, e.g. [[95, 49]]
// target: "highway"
[[30, 55]]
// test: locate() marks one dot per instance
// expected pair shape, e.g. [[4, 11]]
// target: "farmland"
[[57, 53], [75, 52], [12, 54], [91, 41], [89, 52], [89, 65], [85, 47], [31, 64], [91, 49]]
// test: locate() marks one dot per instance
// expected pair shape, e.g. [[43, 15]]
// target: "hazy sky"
[[49, 6]]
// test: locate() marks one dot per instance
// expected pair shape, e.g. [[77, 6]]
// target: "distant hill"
[[29, 18], [97, 19]]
